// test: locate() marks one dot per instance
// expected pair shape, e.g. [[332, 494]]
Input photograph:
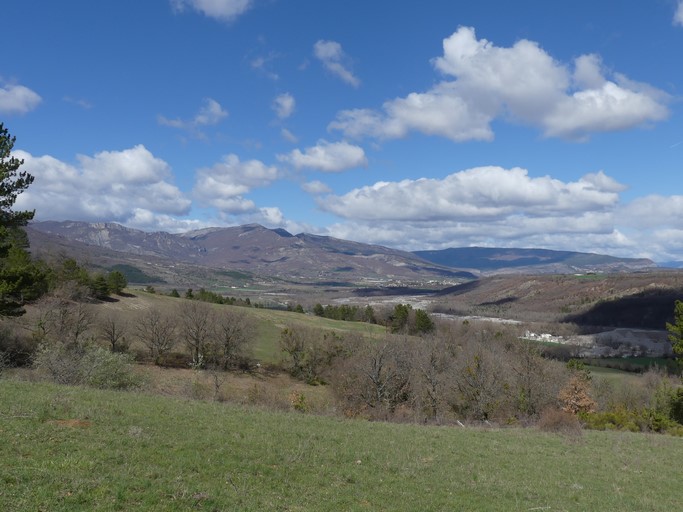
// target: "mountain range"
[[277, 253]]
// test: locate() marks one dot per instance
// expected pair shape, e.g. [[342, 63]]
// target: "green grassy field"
[[80, 449]]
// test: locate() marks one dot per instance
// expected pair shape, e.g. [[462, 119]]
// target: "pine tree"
[[20, 278]]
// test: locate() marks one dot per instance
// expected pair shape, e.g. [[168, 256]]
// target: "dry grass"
[[275, 390]]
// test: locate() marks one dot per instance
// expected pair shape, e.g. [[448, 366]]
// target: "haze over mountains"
[[276, 252]]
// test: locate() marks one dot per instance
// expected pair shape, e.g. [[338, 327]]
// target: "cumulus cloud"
[[210, 113], [109, 186], [222, 10], [18, 99], [654, 211], [327, 157], [224, 185], [585, 232], [478, 194], [437, 112], [334, 59], [284, 105], [522, 84], [484, 206], [678, 15]]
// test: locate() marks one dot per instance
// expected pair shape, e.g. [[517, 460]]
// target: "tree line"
[[401, 319], [471, 372]]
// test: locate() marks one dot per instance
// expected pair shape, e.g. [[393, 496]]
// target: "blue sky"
[[416, 125]]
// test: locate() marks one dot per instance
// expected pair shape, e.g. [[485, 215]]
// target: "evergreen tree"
[[423, 323], [99, 287], [20, 278], [116, 282]]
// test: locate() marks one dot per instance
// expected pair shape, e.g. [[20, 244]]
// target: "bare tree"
[[479, 379], [433, 361], [63, 321], [197, 321], [310, 352], [157, 332], [113, 330], [234, 332], [377, 377], [536, 380]]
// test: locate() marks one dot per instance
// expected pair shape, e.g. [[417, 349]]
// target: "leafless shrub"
[[557, 421]]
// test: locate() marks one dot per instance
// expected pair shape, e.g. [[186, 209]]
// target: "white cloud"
[[585, 232], [271, 216], [327, 157], [18, 99], [334, 59], [284, 105], [474, 195], [495, 207], [608, 108], [224, 185], [147, 220], [109, 186], [316, 188], [484, 206], [437, 112], [654, 211], [522, 84], [223, 10], [678, 15], [210, 113]]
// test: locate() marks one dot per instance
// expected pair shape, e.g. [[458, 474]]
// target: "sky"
[[414, 125]]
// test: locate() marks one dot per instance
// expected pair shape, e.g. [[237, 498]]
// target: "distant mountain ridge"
[[505, 260], [278, 253], [259, 250]]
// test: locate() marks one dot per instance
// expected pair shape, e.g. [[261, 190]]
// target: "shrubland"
[[469, 372]]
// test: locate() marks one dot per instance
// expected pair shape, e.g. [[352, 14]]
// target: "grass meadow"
[[70, 448]]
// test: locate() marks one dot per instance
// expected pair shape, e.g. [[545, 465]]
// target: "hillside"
[[69, 448], [636, 300]]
